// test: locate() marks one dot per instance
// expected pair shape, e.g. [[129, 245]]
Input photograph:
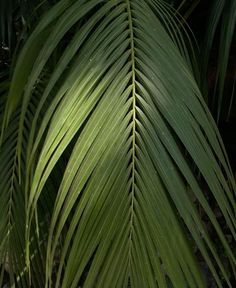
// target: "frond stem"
[[133, 122]]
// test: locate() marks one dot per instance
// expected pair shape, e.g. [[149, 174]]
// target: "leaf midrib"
[[133, 79]]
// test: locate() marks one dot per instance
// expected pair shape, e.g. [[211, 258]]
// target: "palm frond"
[[222, 17], [123, 106], [13, 204]]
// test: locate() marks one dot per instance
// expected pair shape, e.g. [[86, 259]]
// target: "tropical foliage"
[[107, 144]]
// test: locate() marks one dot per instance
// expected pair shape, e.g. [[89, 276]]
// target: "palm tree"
[[106, 141]]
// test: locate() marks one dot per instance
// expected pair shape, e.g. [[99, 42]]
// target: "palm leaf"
[[13, 205], [123, 104], [223, 16]]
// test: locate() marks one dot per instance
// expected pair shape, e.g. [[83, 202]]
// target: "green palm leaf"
[[223, 15], [122, 107], [13, 204]]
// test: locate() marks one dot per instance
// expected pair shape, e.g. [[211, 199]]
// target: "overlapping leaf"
[[223, 17]]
